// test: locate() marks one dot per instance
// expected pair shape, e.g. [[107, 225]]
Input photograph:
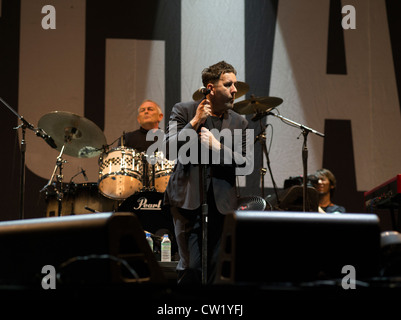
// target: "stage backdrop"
[[104, 57]]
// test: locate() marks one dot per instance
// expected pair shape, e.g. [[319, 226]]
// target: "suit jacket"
[[184, 187]]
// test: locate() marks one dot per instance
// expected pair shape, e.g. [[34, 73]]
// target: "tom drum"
[[120, 173]]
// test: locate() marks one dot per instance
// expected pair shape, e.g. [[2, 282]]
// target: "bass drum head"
[[154, 218]]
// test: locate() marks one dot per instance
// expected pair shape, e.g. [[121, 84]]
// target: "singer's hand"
[[202, 112], [208, 140]]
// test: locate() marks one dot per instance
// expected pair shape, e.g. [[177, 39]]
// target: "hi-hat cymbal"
[[242, 88], [82, 137], [256, 105]]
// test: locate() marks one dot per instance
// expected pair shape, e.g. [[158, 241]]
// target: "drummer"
[[149, 116]]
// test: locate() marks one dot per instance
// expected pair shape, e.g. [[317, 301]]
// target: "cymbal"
[[256, 105], [82, 137], [242, 88]]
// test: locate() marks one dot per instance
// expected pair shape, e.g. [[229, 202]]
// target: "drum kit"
[[123, 171]]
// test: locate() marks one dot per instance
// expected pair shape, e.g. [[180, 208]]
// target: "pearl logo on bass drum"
[[144, 205]]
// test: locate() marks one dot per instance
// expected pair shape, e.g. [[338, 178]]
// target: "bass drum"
[[153, 216], [79, 199]]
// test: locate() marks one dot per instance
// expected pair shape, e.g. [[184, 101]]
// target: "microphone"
[[84, 174], [49, 140], [204, 90]]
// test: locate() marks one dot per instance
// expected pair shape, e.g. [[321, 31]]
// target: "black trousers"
[[188, 232]]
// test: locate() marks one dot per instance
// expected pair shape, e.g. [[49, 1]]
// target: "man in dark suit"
[[218, 157]]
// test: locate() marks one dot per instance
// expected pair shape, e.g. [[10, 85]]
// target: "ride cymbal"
[[82, 137]]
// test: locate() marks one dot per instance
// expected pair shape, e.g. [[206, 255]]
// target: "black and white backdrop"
[[104, 57]]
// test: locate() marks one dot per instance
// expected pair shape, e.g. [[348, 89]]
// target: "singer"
[[184, 190]]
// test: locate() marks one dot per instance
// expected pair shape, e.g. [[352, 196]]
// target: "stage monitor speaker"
[[275, 247], [100, 248]]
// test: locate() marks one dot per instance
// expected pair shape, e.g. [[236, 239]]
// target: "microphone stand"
[[40, 133], [305, 132], [205, 212]]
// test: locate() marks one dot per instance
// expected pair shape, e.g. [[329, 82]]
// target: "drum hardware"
[[59, 178], [242, 89], [75, 136]]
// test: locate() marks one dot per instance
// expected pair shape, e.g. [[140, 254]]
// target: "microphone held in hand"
[[204, 91]]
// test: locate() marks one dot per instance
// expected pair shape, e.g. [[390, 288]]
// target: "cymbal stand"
[[68, 136], [59, 165], [305, 131], [261, 137]]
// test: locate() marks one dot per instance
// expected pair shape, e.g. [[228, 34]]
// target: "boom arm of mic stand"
[[305, 132], [25, 124], [301, 126], [205, 212]]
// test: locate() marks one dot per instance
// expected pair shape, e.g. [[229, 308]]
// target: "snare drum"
[[162, 169], [120, 173]]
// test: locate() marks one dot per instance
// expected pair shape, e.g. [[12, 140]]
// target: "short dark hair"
[[329, 175], [213, 73]]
